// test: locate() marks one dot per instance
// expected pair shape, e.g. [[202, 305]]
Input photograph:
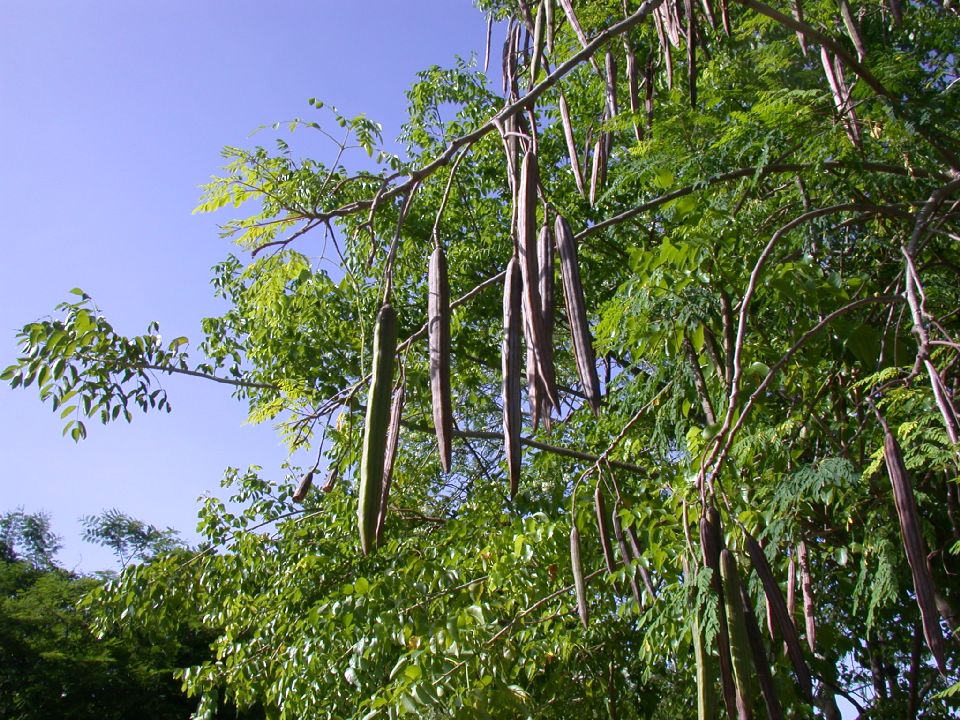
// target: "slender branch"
[[208, 376]]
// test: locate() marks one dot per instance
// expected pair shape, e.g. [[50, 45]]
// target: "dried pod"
[[578, 582], [706, 697], [806, 588], [390, 456], [304, 487], [708, 11], [691, 13], [538, 42], [853, 31], [796, 10], [633, 87], [838, 87], [545, 258], [375, 428], [764, 678], [913, 546], [600, 505], [438, 328], [610, 65], [781, 615], [571, 143], [577, 314], [548, 21], [510, 355], [648, 82], [737, 627], [626, 557], [331, 480], [530, 273], [711, 544], [725, 17]]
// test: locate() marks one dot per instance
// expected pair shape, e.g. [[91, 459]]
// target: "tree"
[[764, 207]]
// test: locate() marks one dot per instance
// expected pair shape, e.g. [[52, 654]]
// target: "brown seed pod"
[[603, 527], [691, 13], [530, 273], [626, 557], [577, 314], [740, 655], [610, 65], [711, 544], [781, 616], [796, 9], [633, 87], [806, 589], [304, 487], [571, 143], [578, 581], [510, 355], [331, 480], [538, 41], [545, 257], [764, 678], [548, 21], [648, 98], [853, 31], [913, 546], [438, 319], [390, 456]]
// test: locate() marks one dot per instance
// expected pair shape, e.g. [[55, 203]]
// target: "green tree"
[[764, 201]]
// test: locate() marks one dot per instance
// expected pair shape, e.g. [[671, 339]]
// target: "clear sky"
[[112, 114]]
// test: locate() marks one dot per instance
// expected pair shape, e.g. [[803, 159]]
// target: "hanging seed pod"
[[331, 480], [571, 143], [834, 74], [739, 642], [390, 456], [853, 31], [725, 17], [711, 544], [648, 82], [706, 697], [304, 487], [806, 588], [708, 11], [578, 581], [375, 428], [796, 9], [600, 506], [577, 313], [512, 290], [690, 11], [530, 272], [626, 557], [545, 257], [535, 394], [633, 87], [610, 64], [764, 678], [538, 42], [638, 554], [781, 615], [548, 21], [913, 546], [438, 329], [896, 12]]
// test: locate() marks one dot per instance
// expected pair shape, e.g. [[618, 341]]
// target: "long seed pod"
[[304, 487], [725, 17], [571, 143], [530, 272], [510, 355], [838, 88], [578, 582], [538, 42], [796, 9], [648, 82], [610, 64], [708, 11], [545, 258], [739, 642], [638, 553], [691, 13], [626, 557], [806, 588], [603, 526], [706, 696], [331, 481], [853, 31], [781, 615], [390, 456], [711, 543], [913, 545], [375, 428], [438, 328], [577, 313], [764, 678], [633, 87]]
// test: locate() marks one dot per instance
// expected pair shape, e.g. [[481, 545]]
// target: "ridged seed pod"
[[571, 144], [711, 543], [740, 654], [438, 318], [577, 313], [510, 356], [600, 505], [578, 582], [304, 487], [545, 258], [390, 456], [375, 428], [760, 663]]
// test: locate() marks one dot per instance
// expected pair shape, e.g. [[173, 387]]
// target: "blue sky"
[[112, 114]]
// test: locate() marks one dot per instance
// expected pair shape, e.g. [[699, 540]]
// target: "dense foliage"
[[767, 230]]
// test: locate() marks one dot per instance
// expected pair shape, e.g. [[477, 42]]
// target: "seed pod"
[[331, 480], [538, 41], [806, 588], [853, 32], [706, 698], [764, 678], [548, 21], [796, 9], [390, 456], [510, 355], [600, 505], [708, 11], [633, 87], [725, 17], [610, 64], [577, 314], [739, 642], [571, 143], [690, 11], [913, 546], [303, 488], [545, 257], [626, 557], [599, 170], [578, 582], [648, 99], [848, 116], [530, 273], [375, 429], [638, 554], [711, 543], [438, 319], [780, 614]]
